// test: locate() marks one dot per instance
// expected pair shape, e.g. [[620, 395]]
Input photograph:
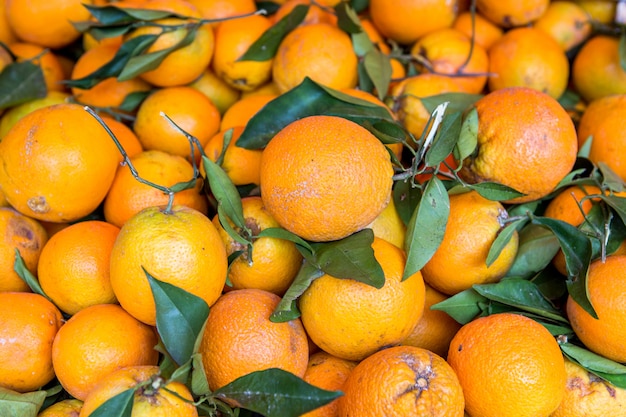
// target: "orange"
[[46, 23], [109, 92], [312, 51], [483, 31], [126, 137], [127, 196], [330, 373], [571, 204], [317, 13], [50, 65], [191, 110], [243, 166], [232, 40], [508, 365], [309, 189], [402, 381], [389, 226], [15, 113], [568, 23], [528, 57], [185, 64], [352, 320], [460, 261], [239, 338], [435, 329], [223, 9], [599, 11], [605, 286], [603, 121], [65, 408], [180, 247], [29, 324], [587, 395], [406, 21], [596, 70], [244, 109], [450, 52], [374, 35], [7, 36], [75, 158], [5, 59], [269, 88], [526, 140], [97, 341], [74, 266], [274, 263], [26, 235], [511, 13], [153, 396], [217, 90]]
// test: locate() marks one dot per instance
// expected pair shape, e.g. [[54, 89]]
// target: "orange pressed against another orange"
[[512, 13], [243, 166], [567, 22], [477, 27]]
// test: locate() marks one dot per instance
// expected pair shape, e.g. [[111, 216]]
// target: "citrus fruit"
[[48, 62], [125, 136], [510, 13], [389, 226], [475, 26], [567, 22], [313, 169], [216, 89], [223, 9], [244, 109], [65, 408], [243, 166], [15, 113]]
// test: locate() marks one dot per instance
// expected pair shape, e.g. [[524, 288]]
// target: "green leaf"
[[133, 100], [113, 15], [22, 271], [622, 50], [458, 102], [406, 197], [618, 204], [537, 247], [224, 192], [495, 191], [287, 308], [378, 68], [267, 45], [347, 18], [611, 371], [180, 318], [120, 405], [468, 138], [307, 99], [199, 383], [21, 82], [280, 233], [275, 393], [610, 178], [462, 307], [502, 239], [445, 141], [427, 226], [15, 404], [359, 5]]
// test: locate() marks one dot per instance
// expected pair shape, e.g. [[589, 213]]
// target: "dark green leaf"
[[622, 50], [21, 82], [537, 247], [502, 239], [180, 318], [275, 393], [618, 204], [468, 138], [378, 68], [133, 100], [121, 405], [495, 191], [406, 197], [445, 141], [610, 178], [22, 271], [388, 132], [99, 32], [359, 5], [287, 308], [113, 15], [462, 307], [612, 371], [347, 19], [427, 226], [15, 404], [458, 102], [266, 46], [307, 99], [280, 233], [224, 192]]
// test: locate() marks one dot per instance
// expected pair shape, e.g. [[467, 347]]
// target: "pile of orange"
[[176, 219]]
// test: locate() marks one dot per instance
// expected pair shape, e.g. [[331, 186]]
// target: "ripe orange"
[[232, 40], [127, 196], [313, 170], [191, 110], [526, 140], [528, 57], [181, 247], [75, 158], [243, 166], [571, 204], [450, 52], [389, 226], [406, 21], [374, 34], [269, 88], [567, 22], [484, 32], [29, 324], [605, 287], [65, 408], [239, 338], [221, 9], [50, 65], [275, 262], [217, 90], [460, 260], [24, 234], [317, 12], [7, 36], [351, 320], [46, 23], [97, 341], [5, 59], [15, 113], [511, 13], [313, 51], [244, 109], [125, 135], [330, 373], [154, 396], [74, 266], [587, 395], [184, 65], [109, 92], [596, 70], [435, 330], [508, 365], [402, 381]]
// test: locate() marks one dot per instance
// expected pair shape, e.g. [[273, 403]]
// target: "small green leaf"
[[287, 308], [267, 45], [133, 100], [224, 192], [199, 383], [22, 271], [359, 5], [537, 247], [120, 405], [462, 307], [458, 102], [622, 50], [280, 233], [180, 318], [378, 68], [612, 371], [610, 178], [495, 191], [618, 204], [21, 82], [468, 138], [347, 18], [275, 393], [15, 404], [113, 15], [502, 239], [445, 141], [388, 132], [427, 226], [406, 198]]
